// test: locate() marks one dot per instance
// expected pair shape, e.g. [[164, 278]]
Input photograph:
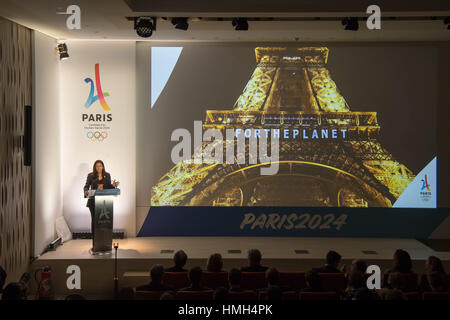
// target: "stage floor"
[[271, 248]]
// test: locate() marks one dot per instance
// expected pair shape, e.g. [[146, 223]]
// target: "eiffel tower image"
[[291, 88], [104, 214]]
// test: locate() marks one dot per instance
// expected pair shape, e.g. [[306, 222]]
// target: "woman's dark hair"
[[234, 276], [215, 263], [435, 264], [94, 172], [272, 276], [402, 261]]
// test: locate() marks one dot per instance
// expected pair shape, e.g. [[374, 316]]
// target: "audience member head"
[[272, 276], [274, 293], [126, 293], [195, 276], [180, 258], [220, 294], [157, 273], [436, 281], [333, 258], [312, 280], [395, 295], [356, 280], [75, 296], [395, 281], [14, 291], [402, 261], [167, 295], [434, 264], [359, 265], [234, 278], [215, 263], [254, 257]]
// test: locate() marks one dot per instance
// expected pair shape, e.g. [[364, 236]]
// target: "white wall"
[[46, 162], [118, 151]]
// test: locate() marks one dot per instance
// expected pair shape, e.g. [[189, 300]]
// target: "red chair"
[[195, 295], [253, 280], [425, 286], [215, 280], [333, 281], [176, 280], [318, 296], [433, 295], [245, 295], [294, 280], [148, 295], [286, 296], [410, 281]]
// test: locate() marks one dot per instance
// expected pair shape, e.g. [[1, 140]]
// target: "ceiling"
[[106, 19]]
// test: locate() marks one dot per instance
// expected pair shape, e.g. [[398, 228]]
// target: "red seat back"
[[195, 295], [332, 281], [410, 281], [214, 280], [318, 296], [294, 280], [432, 295], [253, 280], [176, 280], [245, 295], [425, 286]]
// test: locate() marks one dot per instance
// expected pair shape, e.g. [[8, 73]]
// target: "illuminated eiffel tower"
[[291, 88]]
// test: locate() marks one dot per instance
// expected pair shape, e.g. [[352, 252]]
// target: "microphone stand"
[[116, 278]]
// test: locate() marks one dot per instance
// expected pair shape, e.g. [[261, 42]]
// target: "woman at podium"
[[98, 179]]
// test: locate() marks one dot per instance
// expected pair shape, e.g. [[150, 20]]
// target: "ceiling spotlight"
[[180, 23], [447, 22], [62, 50], [144, 26], [350, 23], [240, 24]]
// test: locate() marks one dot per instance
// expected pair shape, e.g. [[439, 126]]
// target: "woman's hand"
[[115, 183], [86, 193]]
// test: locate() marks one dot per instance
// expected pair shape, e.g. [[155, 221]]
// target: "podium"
[[103, 221]]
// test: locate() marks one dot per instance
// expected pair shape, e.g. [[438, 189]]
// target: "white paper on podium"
[[91, 193]]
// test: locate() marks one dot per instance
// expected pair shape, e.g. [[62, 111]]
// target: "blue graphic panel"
[[291, 222]]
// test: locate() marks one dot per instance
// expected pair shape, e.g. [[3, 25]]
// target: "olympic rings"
[[97, 136]]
